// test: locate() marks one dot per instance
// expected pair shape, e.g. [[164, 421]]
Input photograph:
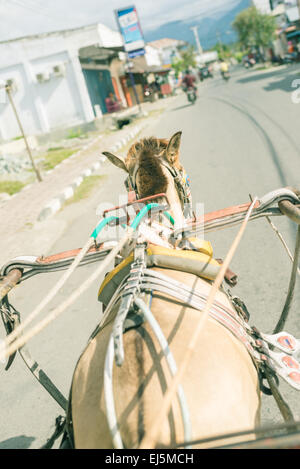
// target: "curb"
[[56, 203]]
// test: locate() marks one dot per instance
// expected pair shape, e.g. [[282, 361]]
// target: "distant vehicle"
[[205, 72], [248, 62], [290, 58], [189, 86], [225, 75], [191, 95]]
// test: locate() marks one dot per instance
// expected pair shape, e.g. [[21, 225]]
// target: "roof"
[[164, 43], [55, 33], [140, 66]]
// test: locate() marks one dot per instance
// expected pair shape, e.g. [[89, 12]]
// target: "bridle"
[[181, 181]]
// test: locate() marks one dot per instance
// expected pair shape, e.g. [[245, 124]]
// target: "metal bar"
[[282, 320], [290, 210], [9, 282], [43, 379]]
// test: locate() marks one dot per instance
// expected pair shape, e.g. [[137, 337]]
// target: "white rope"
[[18, 343], [282, 241], [108, 381], [53, 292], [150, 438]]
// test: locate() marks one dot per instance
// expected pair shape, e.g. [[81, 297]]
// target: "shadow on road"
[[181, 107], [284, 83], [18, 442]]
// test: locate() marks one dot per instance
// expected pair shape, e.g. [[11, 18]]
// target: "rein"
[[273, 362]]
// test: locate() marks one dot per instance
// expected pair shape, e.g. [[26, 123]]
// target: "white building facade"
[[264, 6], [48, 85]]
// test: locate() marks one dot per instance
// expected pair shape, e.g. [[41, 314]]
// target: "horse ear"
[[116, 160], [173, 148]]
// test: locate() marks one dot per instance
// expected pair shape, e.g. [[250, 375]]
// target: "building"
[[287, 17], [264, 6], [59, 79], [292, 8], [167, 50]]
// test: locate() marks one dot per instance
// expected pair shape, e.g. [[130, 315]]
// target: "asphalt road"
[[240, 138]]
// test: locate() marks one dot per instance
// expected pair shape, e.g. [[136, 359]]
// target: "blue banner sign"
[[131, 31]]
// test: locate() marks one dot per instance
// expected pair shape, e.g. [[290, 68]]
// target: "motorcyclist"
[[224, 68], [189, 81]]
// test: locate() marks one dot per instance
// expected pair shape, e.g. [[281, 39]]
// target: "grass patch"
[[76, 133], [85, 188], [11, 187], [56, 155]]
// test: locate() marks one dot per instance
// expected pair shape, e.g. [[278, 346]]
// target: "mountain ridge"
[[210, 29]]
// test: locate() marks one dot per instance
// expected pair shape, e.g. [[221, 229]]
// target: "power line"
[[42, 9], [35, 9]]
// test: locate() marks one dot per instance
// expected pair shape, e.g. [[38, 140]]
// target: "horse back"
[[220, 383]]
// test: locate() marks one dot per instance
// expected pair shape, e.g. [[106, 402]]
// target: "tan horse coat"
[[221, 383]]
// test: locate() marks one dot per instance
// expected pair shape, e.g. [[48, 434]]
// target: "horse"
[[221, 383]]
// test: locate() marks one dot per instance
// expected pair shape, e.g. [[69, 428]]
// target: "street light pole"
[[220, 42], [195, 31], [8, 91]]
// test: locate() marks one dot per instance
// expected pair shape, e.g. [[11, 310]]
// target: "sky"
[[25, 17]]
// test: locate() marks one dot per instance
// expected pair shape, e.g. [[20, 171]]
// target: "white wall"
[[152, 56], [23, 101], [61, 100], [262, 5]]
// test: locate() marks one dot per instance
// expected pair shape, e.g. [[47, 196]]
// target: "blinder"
[[182, 183]]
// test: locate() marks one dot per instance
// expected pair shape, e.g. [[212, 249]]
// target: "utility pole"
[[8, 92], [195, 31], [220, 42]]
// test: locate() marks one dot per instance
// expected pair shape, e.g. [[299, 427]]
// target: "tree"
[[224, 51], [254, 28], [186, 59]]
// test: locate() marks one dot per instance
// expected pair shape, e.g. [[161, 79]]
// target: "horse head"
[[153, 167]]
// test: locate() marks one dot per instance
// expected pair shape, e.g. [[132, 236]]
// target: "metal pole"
[[8, 282], [8, 91], [195, 31], [220, 42]]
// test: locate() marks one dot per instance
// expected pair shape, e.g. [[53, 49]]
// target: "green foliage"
[[85, 189], [187, 59], [11, 187], [254, 29], [239, 56], [56, 156], [177, 66], [224, 50], [76, 133]]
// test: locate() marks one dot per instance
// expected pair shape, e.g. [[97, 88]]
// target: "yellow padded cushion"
[[198, 263]]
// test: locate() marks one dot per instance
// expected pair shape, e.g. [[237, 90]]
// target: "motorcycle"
[[191, 95], [205, 72], [225, 76], [149, 94]]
